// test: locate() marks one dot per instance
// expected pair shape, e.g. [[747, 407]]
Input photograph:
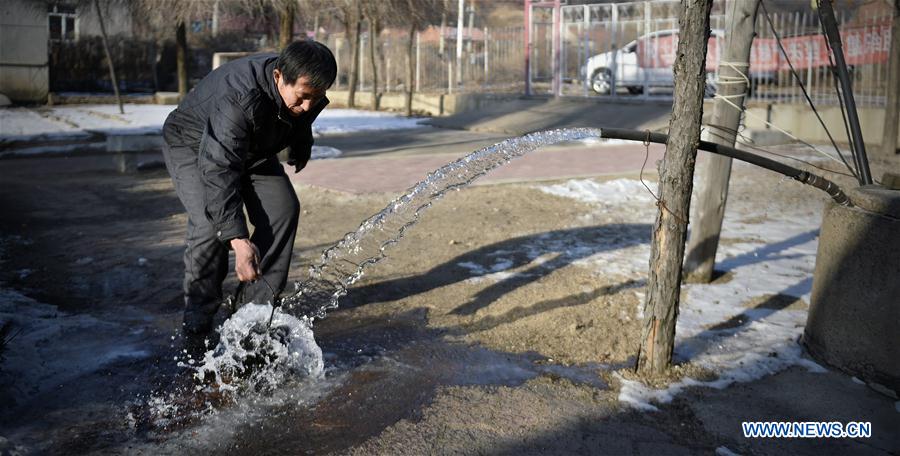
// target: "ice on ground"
[[261, 355], [322, 152], [35, 363], [742, 328]]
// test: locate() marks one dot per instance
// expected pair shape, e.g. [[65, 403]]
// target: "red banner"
[[861, 45]]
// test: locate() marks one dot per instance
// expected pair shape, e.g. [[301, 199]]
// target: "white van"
[[634, 76]]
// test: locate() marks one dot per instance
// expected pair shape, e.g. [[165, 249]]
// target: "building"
[[26, 28]]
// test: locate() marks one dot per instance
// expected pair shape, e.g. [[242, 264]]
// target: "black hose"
[[805, 177]]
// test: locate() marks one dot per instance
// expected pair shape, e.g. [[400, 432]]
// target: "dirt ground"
[[443, 361]]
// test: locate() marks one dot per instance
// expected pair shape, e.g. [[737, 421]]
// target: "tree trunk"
[[715, 170], [215, 19], [410, 69], [373, 60], [158, 49], [892, 110], [442, 42], [460, 19], [675, 182], [316, 26], [181, 58], [109, 60], [286, 24], [356, 24]]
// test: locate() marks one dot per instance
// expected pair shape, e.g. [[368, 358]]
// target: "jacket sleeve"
[[223, 149], [301, 146]]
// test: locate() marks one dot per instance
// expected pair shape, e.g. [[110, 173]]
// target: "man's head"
[[303, 72]]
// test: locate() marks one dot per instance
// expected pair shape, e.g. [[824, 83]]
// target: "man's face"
[[300, 96]]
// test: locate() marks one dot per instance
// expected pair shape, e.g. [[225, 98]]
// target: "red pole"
[[527, 47], [557, 48]]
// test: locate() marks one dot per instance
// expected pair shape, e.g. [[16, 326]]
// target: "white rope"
[[743, 79]]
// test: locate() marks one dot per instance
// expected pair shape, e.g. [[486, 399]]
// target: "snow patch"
[[339, 121], [618, 191], [742, 329], [58, 122], [323, 152]]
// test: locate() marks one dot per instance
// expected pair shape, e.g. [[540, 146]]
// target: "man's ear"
[[277, 74]]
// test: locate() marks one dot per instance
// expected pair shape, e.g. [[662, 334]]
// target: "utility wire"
[[803, 88], [782, 130], [746, 143]]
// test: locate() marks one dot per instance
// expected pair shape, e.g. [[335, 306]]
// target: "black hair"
[[307, 58]]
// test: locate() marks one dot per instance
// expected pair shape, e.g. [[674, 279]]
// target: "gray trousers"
[[273, 210]]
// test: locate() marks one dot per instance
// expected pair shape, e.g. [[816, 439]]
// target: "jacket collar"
[[272, 90]]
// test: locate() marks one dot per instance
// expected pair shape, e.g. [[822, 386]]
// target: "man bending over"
[[221, 150]]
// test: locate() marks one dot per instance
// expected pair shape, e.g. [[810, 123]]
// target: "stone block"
[[854, 314], [133, 143]]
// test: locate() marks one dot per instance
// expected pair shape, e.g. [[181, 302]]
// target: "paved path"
[[400, 170], [392, 161], [524, 115]]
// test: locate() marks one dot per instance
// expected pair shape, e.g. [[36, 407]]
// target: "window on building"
[[61, 21]]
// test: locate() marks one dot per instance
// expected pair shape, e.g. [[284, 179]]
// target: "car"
[[635, 75]]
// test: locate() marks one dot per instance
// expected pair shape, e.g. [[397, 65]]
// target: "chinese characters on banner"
[[862, 45]]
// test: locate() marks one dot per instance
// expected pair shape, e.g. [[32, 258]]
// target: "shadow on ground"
[[558, 248]]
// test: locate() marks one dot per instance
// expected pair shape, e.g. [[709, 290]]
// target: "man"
[[221, 150]]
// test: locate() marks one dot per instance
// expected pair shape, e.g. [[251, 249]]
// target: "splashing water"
[[344, 263], [260, 354], [263, 356]]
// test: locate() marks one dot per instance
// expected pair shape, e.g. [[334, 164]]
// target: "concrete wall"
[[432, 104], [24, 76], [802, 122], [429, 104], [116, 17]]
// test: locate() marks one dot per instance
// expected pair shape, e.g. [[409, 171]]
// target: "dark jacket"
[[233, 120]]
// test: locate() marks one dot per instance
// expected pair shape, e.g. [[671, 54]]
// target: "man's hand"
[[246, 260]]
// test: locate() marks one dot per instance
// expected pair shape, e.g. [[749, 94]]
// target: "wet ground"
[[425, 356]]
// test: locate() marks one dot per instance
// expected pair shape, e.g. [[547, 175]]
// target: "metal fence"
[[627, 50], [491, 60]]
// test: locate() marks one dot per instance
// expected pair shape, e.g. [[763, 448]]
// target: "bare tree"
[[374, 12], [715, 170], [415, 14], [161, 15], [675, 181], [445, 9], [109, 60], [349, 14], [287, 9], [182, 58]]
